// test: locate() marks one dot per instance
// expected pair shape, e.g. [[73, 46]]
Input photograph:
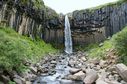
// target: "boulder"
[[83, 58], [74, 70], [33, 69], [77, 76], [91, 76], [101, 82], [28, 82], [101, 79], [122, 71], [17, 81]]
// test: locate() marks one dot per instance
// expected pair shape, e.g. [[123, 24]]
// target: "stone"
[[71, 63], [102, 64], [101, 44], [66, 81], [81, 75], [91, 76], [17, 81], [74, 70], [83, 58], [101, 82], [101, 79], [33, 69], [95, 61], [77, 76], [97, 67], [113, 82], [111, 69], [111, 78], [122, 71], [84, 70], [28, 82], [53, 62], [123, 82], [4, 79]]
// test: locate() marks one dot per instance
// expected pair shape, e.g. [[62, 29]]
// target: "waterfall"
[[68, 39]]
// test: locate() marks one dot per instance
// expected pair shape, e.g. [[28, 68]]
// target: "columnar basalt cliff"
[[28, 17], [105, 20], [88, 26]]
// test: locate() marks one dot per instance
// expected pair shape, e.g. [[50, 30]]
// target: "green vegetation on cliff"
[[50, 13], [15, 49], [112, 4], [37, 3], [117, 42]]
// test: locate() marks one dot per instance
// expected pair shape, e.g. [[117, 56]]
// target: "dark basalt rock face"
[[87, 26], [113, 17], [26, 18]]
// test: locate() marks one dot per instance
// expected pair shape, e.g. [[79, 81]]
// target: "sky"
[[66, 6]]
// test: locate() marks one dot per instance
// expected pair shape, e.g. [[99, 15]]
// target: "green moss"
[[99, 52], [117, 42], [113, 4], [14, 49], [120, 43], [50, 13], [37, 3]]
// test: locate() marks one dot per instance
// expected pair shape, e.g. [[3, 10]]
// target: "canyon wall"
[[27, 18], [88, 26], [105, 20]]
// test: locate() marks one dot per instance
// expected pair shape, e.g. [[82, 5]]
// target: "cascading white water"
[[68, 39]]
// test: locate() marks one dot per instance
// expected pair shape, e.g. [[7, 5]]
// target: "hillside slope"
[[14, 49], [117, 46]]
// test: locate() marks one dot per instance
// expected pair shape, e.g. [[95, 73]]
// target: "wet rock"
[[122, 71], [91, 76], [74, 70], [66, 81], [71, 63]]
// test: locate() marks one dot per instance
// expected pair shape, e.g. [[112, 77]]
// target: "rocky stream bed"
[[71, 69]]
